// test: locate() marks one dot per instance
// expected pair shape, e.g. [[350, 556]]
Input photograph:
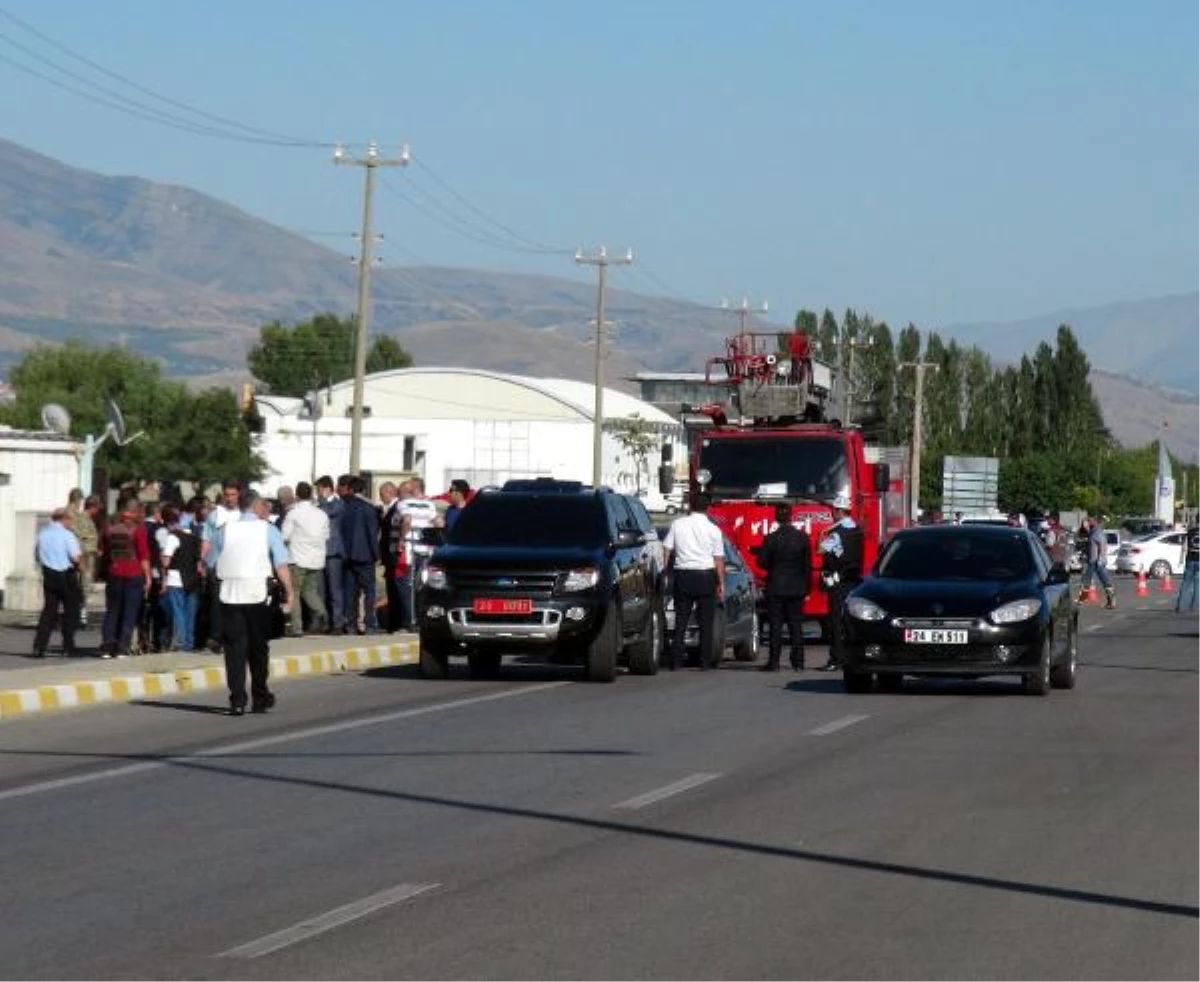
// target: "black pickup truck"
[[544, 567]]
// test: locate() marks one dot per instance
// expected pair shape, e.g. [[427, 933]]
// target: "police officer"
[[250, 550], [60, 556], [785, 555], [841, 551]]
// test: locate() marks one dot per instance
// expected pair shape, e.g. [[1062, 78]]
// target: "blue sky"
[[935, 162]]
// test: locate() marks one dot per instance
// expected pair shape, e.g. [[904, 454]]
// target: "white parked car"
[[1156, 554]]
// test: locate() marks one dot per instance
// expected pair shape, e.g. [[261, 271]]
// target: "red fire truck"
[[765, 439]]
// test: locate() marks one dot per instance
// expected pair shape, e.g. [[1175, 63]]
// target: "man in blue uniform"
[[59, 554]]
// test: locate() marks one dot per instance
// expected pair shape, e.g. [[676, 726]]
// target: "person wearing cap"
[[841, 550], [59, 554]]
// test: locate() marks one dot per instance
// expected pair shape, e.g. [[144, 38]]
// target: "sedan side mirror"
[[1058, 574]]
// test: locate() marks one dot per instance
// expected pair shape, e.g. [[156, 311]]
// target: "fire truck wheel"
[[602, 652]]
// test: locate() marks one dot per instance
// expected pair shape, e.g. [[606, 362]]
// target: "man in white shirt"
[[251, 550], [416, 513], [305, 532], [697, 548]]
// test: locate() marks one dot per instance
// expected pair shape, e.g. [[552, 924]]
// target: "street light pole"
[[602, 261], [369, 163]]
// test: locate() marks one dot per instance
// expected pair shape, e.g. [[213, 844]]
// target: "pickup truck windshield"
[[775, 466], [531, 520]]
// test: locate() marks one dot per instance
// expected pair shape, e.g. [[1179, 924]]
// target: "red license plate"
[[506, 605]]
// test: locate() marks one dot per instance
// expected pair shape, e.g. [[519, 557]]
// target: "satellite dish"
[[56, 419], [115, 420], [116, 424]]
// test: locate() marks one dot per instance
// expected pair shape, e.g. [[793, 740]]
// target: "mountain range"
[[183, 277]]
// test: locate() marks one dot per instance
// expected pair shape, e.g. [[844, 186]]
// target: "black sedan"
[[736, 623], [962, 601]]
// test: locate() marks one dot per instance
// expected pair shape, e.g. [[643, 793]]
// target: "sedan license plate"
[[502, 605], [928, 635]]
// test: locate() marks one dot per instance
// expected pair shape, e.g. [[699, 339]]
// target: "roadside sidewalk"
[[61, 683]]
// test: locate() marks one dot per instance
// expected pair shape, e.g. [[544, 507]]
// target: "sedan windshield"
[[775, 466], [956, 557]]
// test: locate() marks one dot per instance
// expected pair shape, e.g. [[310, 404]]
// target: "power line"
[[445, 186], [250, 134], [458, 225]]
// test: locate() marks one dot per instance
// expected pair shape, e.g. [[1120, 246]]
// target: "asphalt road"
[[728, 824]]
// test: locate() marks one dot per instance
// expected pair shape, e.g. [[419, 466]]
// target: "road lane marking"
[[1093, 627], [837, 724], [269, 741], [337, 917], [650, 797]]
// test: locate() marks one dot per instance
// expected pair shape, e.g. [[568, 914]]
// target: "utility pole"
[[369, 163], [850, 344], [918, 415], [601, 260], [743, 311]]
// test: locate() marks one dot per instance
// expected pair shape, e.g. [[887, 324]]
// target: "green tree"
[[189, 436], [292, 360], [827, 338], [639, 440]]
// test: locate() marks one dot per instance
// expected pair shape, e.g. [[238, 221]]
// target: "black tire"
[[1160, 569], [1038, 684], [483, 664], [645, 654], [747, 651], [720, 628], [891, 683], [1062, 676], [601, 661], [856, 683], [435, 659]]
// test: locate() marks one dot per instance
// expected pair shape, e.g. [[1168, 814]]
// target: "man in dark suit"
[[359, 525], [785, 556]]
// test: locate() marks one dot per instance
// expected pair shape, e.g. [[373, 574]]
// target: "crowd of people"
[[165, 588]]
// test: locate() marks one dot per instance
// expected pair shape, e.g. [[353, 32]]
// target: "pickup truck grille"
[[522, 584]]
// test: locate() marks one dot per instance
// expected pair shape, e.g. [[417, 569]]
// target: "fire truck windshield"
[[812, 468]]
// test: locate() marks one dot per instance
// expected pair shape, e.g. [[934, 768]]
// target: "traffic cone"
[[1090, 595], [1165, 585], [1142, 589]]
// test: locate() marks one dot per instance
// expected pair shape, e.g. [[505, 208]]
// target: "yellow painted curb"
[[127, 688]]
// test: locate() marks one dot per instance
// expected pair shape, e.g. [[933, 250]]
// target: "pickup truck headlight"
[[1017, 611], [864, 610], [434, 577], [580, 579]]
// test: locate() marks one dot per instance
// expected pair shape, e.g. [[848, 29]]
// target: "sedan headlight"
[[864, 610], [1017, 611], [580, 579], [434, 577]]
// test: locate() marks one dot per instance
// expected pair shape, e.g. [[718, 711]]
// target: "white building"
[[446, 423], [37, 473]]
